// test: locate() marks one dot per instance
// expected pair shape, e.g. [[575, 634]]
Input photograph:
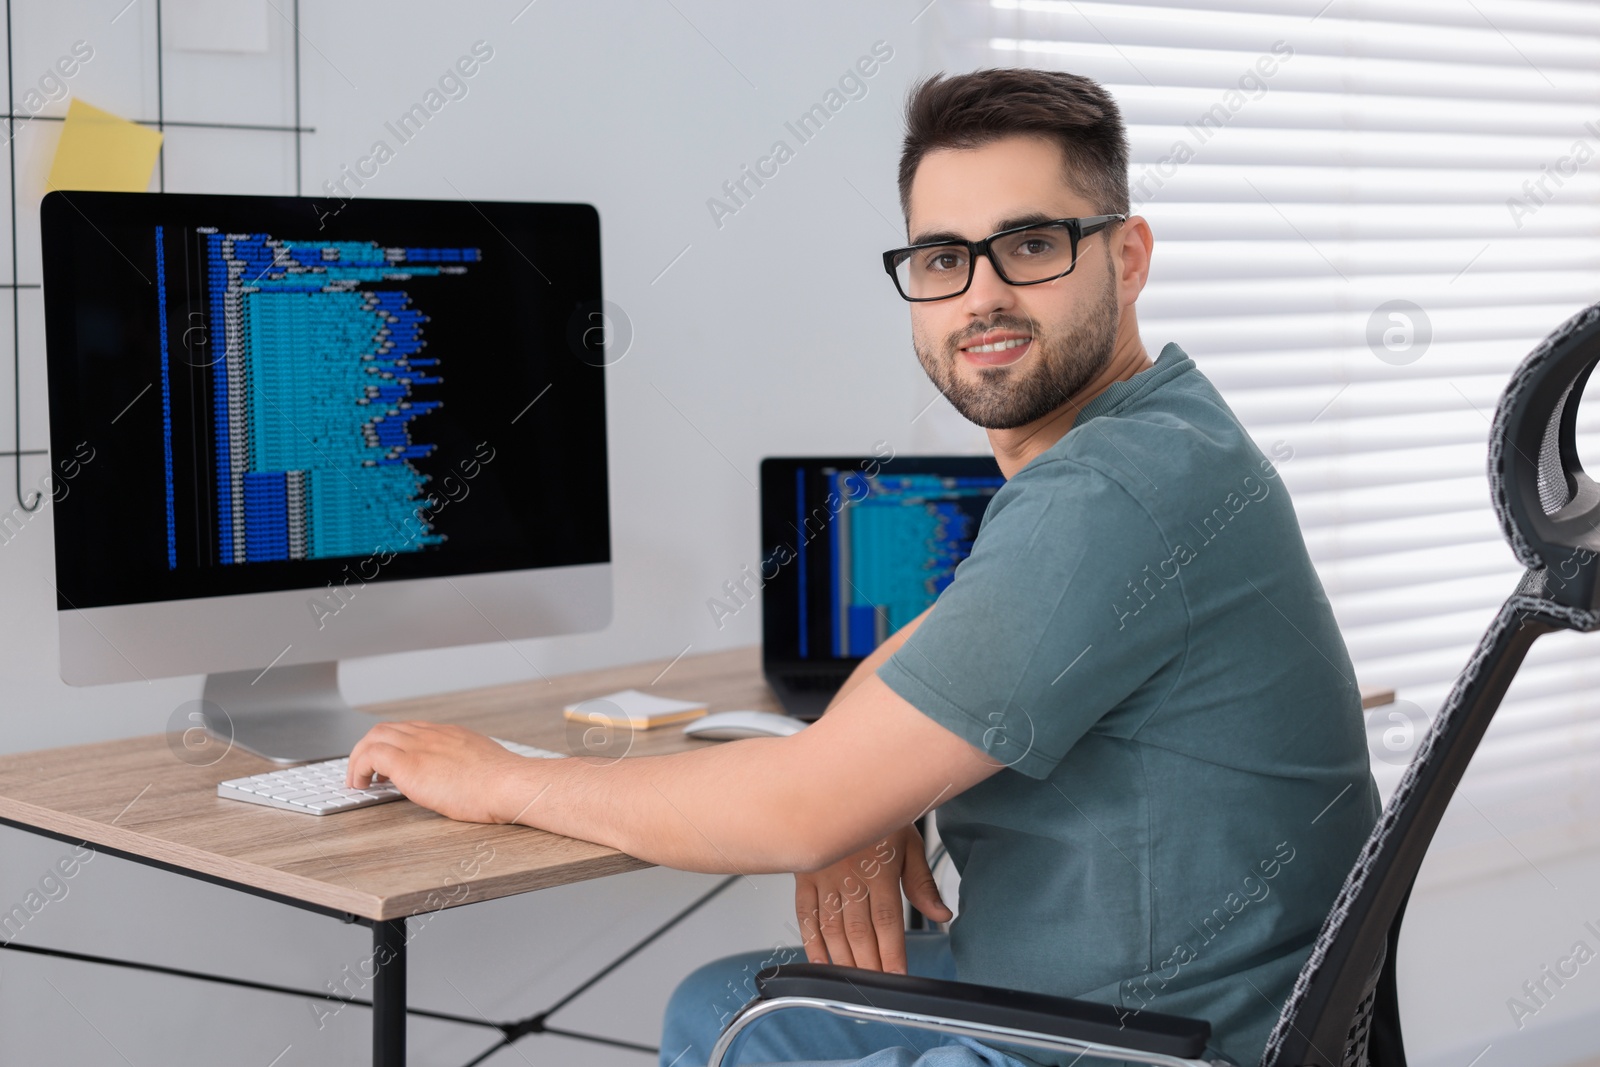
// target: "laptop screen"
[[855, 547]]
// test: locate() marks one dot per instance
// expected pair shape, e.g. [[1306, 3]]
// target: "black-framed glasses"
[[1022, 255]]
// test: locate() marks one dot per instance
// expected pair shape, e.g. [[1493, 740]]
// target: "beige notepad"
[[641, 711]]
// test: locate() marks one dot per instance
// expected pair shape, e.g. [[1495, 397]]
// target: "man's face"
[[1045, 341]]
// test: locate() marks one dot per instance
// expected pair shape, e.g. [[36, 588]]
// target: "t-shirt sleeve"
[[1069, 602]]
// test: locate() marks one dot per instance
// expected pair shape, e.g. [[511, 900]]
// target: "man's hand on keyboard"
[[456, 772], [850, 913]]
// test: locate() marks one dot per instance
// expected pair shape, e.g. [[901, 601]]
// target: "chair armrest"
[[1075, 1020]]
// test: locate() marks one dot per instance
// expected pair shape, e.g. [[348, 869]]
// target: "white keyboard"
[[319, 789]]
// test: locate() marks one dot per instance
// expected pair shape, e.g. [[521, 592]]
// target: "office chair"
[[1343, 1011]]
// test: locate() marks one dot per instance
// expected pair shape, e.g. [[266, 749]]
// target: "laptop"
[[852, 549]]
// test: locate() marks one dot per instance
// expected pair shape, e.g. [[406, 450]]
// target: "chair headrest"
[[1548, 506]]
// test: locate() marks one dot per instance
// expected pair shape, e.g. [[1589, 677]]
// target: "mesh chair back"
[[1344, 1011], [1548, 505]]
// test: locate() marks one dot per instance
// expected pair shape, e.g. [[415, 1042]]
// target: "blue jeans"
[[806, 1037]]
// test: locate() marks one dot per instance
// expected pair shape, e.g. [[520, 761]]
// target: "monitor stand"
[[286, 714]]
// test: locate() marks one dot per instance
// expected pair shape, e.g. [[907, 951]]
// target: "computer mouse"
[[733, 725]]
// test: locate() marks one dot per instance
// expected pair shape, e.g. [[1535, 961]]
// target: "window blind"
[[1305, 166]]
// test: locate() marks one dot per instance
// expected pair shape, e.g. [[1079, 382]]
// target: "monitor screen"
[[853, 548], [273, 393]]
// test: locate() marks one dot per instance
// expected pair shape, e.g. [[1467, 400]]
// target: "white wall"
[[1470, 941], [773, 333]]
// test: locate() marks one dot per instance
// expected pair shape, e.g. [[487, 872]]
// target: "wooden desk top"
[[391, 860], [135, 795]]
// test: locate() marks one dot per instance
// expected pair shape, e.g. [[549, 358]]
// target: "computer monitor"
[[287, 431]]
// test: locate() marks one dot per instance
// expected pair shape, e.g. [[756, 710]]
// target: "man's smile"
[[998, 348]]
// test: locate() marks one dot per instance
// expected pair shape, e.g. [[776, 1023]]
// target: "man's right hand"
[[851, 914]]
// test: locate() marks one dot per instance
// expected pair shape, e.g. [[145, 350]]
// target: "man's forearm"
[[674, 811]]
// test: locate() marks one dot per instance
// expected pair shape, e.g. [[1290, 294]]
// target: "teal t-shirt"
[[1140, 638]]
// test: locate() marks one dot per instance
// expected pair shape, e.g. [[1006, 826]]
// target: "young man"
[[1131, 707]]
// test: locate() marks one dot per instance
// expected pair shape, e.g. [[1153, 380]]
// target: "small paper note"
[[99, 150], [642, 711]]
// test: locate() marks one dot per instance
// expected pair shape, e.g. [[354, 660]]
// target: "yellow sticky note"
[[99, 150]]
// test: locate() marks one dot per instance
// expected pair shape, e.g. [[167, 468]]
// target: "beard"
[[1004, 398]]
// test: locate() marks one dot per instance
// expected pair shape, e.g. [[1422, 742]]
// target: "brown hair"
[[975, 109]]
